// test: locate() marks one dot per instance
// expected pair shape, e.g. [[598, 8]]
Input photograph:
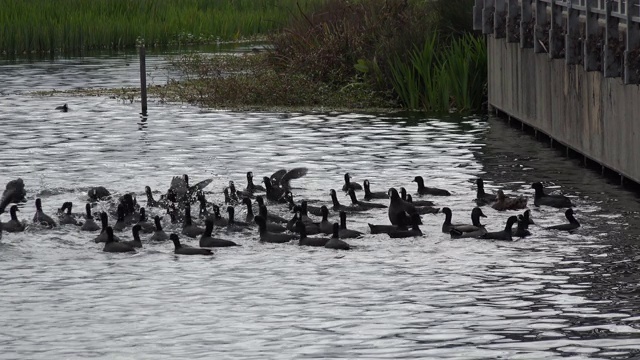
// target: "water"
[[549, 296]]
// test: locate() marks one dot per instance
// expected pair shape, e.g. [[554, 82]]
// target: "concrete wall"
[[596, 116]]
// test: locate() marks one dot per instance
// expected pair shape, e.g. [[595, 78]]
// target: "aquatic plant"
[[75, 26]]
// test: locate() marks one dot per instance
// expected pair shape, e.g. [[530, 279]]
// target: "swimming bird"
[[206, 240], [98, 193], [13, 225], [368, 195], [282, 178], [270, 217], [476, 214], [250, 215], [267, 236], [145, 226], [238, 194], [40, 217], [335, 242], [423, 209], [89, 222], [397, 207], [506, 203], [306, 208], [151, 202], [424, 190], [67, 218], [203, 212], [250, 186], [325, 226], [345, 233], [274, 193], [103, 236], [526, 216], [218, 220], [504, 234], [188, 227], [115, 247], [135, 243], [271, 227], [483, 198], [572, 225], [408, 198], [558, 201], [14, 192], [181, 250], [309, 241], [234, 225], [522, 231], [63, 108], [348, 184], [404, 233], [158, 234], [120, 223], [363, 205]]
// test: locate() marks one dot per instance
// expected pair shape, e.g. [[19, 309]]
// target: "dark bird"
[[14, 192], [424, 190], [13, 225], [181, 250], [97, 193], [309, 241], [483, 198], [267, 236], [206, 240], [335, 242], [250, 186], [135, 243], [558, 201], [368, 194], [40, 217], [348, 184], [504, 234], [158, 234], [476, 214], [115, 247], [363, 205], [572, 225], [63, 108]]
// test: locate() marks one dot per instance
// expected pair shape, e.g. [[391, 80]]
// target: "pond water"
[[551, 295]]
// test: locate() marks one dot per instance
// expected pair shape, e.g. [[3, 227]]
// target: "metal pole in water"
[[143, 81]]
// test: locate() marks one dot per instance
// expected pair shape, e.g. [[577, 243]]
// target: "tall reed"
[[73, 26], [442, 75]]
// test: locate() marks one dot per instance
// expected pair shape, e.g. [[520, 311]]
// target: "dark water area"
[[551, 295]]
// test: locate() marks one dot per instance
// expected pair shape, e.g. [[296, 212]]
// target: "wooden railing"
[[602, 35]]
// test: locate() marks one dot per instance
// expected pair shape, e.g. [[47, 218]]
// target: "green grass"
[[75, 26]]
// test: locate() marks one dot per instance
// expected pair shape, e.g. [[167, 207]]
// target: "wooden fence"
[[602, 35]]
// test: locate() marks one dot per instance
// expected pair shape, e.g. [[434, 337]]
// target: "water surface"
[[548, 296]]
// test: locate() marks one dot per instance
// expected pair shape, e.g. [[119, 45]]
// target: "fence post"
[[526, 25], [613, 47], [541, 33], [632, 48], [573, 38], [556, 32], [593, 41], [487, 16], [499, 17], [513, 22], [143, 80], [477, 14]]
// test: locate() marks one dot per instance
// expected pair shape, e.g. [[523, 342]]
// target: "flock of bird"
[[404, 214]]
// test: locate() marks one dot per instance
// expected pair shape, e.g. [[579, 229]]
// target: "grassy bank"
[[411, 54], [75, 26]]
